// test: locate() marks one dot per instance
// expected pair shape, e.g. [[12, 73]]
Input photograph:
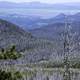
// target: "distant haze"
[[45, 1]]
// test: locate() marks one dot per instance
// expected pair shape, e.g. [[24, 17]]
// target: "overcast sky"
[[47, 1]]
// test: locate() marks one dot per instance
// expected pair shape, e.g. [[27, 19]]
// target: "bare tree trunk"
[[66, 75]]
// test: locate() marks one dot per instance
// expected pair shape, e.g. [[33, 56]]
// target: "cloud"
[[47, 1]]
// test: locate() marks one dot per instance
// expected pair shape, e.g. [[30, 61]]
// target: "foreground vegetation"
[[13, 55], [9, 53], [10, 75]]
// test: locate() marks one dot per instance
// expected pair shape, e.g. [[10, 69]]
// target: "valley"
[[39, 41]]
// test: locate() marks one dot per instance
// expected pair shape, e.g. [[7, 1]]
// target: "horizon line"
[[39, 2]]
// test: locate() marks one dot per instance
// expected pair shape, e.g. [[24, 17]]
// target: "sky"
[[45, 1]]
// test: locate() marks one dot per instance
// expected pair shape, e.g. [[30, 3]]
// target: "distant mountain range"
[[32, 22], [56, 25], [62, 6], [24, 21]]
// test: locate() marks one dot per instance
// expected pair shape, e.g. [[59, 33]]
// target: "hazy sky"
[[48, 1]]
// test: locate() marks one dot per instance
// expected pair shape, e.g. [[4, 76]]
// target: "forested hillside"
[[31, 46]]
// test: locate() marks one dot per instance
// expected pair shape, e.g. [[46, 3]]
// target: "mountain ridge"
[[33, 48], [11, 34], [56, 25]]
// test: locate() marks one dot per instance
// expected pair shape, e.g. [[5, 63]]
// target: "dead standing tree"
[[71, 44], [66, 49], [66, 54]]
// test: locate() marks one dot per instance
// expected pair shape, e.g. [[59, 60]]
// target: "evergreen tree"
[[5, 55]]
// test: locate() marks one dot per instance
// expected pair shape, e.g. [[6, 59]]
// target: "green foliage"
[[75, 64], [18, 75], [10, 76], [9, 54]]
